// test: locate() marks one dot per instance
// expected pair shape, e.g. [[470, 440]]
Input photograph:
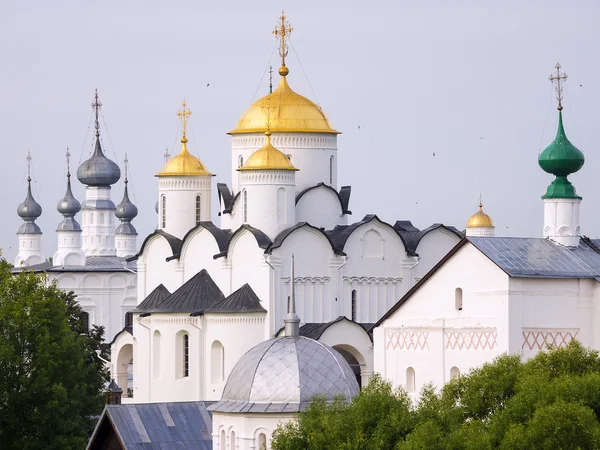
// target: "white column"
[[561, 220]]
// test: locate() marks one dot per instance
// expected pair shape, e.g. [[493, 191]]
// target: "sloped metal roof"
[[154, 299], [92, 264], [244, 300]]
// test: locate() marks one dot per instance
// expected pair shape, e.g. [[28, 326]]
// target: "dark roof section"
[[154, 426], [262, 239], [225, 198], [314, 330], [340, 234], [343, 196], [173, 241], [413, 238], [244, 300], [221, 237], [405, 225], [278, 242], [196, 294], [92, 264], [153, 300], [124, 330]]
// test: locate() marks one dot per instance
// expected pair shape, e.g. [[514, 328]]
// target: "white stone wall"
[[98, 225], [431, 249], [126, 245], [244, 429], [321, 208], [153, 268], [561, 220], [69, 252], [30, 250]]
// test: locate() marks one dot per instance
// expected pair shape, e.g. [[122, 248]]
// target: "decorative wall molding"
[[224, 320], [540, 338], [287, 140], [200, 182], [471, 339], [407, 340], [372, 279], [267, 177]]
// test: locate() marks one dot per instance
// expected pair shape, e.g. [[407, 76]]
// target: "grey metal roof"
[[29, 209], [29, 227], [92, 264], [314, 330], [221, 237], [540, 258], [285, 233], [174, 243], [413, 238], [68, 224], [126, 209], [244, 300], [284, 374], [197, 294], [343, 196], [154, 299], [262, 240], [157, 426], [98, 170], [98, 204], [68, 205]]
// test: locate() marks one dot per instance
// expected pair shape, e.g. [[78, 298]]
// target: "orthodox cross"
[[267, 111], [167, 155], [126, 162], [68, 155], [97, 105], [28, 166], [270, 79], [558, 78], [282, 32], [183, 114]]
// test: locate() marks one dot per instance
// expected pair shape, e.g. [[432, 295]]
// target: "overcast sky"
[[466, 80]]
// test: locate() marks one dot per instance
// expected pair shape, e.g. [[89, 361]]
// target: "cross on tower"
[[126, 162], [267, 110], [167, 155], [97, 105], [183, 114], [282, 32], [270, 79], [68, 155], [28, 166], [558, 77]]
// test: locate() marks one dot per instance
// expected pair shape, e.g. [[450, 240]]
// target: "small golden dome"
[[268, 158], [291, 112], [184, 165], [480, 219]]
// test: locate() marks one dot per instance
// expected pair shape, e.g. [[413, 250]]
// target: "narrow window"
[[186, 355], [85, 318], [262, 441], [410, 379], [232, 444], [156, 351], [454, 373], [458, 299], [163, 212], [223, 440], [217, 362], [245, 206], [198, 208], [331, 170], [353, 306], [128, 319], [240, 161]]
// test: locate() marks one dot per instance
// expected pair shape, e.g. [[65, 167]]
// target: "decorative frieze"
[[540, 339], [285, 140], [471, 339], [407, 340]]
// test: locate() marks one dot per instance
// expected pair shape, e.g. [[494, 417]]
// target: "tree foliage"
[[51, 379], [549, 402]]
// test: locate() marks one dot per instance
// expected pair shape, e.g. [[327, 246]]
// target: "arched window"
[[240, 161], [182, 355], [232, 443], [410, 379], [454, 373], [156, 356], [198, 208], [223, 437], [85, 318], [331, 169], [186, 355], [217, 362], [458, 299], [245, 206], [353, 305], [128, 319], [163, 211], [262, 441]]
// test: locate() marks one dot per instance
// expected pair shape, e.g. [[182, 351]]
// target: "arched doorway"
[[355, 365], [124, 369]]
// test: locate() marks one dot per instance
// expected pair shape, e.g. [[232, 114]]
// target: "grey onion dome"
[[68, 205], [284, 374], [98, 170], [29, 209], [126, 209]]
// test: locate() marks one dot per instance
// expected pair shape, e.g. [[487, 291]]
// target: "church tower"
[[184, 189], [561, 202], [126, 234], [98, 174], [68, 251], [30, 234], [480, 224]]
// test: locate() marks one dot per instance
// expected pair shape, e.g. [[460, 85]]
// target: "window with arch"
[[198, 208], [128, 319], [454, 373], [186, 355], [353, 305], [410, 379], [85, 318], [156, 354], [458, 299], [245, 197], [331, 169], [163, 211], [223, 440], [182, 355], [262, 441], [232, 442], [240, 161], [217, 362]]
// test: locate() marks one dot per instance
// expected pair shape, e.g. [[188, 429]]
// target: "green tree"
[[51, 379]]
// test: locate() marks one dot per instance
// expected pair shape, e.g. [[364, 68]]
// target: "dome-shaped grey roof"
[[29, 209], [98, 170], [126, 209], [284, 374], [68, 205]]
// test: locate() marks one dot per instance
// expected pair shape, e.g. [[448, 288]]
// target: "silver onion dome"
[[68, 205], [126, 209], [29, 209], [98, 170]]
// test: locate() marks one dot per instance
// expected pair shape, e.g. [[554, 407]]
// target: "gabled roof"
[[155, 426], [315, 330], [174, 243], [343, 196], [225, 197], [285, 233], [154, 299], [413, 238], [244, 300], [221, 237], [197, 294], [405, 225], [262, 239]]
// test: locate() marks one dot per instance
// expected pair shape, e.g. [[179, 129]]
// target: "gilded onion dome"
[[184, 165], [480, 219], [268, 158]]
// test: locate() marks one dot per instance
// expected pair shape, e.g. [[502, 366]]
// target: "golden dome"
[[480, 219], [184, 164], [268, 158], [289, 112]]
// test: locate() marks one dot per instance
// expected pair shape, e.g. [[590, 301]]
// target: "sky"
[[452, 98]]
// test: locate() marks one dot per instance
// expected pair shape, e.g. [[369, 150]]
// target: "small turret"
[[29, 233], [126, 234]]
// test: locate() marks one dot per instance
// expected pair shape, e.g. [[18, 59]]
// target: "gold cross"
[[183, 114], [282, 32], [559, 89], [267, 110]]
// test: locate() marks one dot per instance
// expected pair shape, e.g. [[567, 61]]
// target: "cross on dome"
[[183, 114], [282, 33], [28, 166], [68, 156], [96, 106], [558, 77]]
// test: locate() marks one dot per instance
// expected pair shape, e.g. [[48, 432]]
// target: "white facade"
[[246, 431], [30, 250], [98, 222], [126, 245], [69, 251], [561, 220], [480, 231]]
